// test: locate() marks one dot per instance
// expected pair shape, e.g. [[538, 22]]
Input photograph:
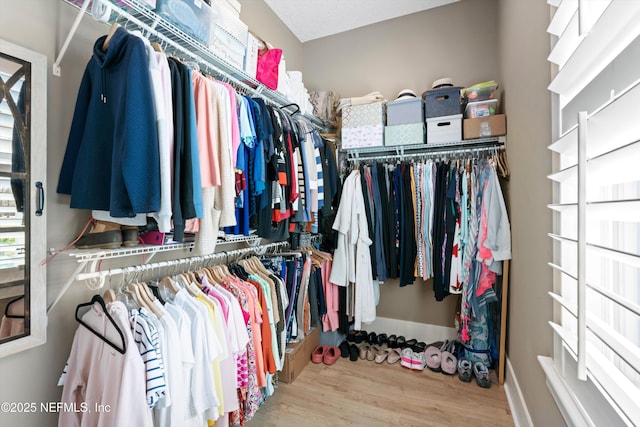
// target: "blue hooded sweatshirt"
[[112, 160]]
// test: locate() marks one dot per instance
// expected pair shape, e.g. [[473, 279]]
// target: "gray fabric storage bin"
[[445, 101], [404, 111]]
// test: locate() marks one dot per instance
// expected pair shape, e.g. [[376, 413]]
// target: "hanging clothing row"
[[153, 137], [431, 219], [196, 348]]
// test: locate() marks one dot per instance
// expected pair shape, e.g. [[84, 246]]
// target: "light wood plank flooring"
[[364, 393]]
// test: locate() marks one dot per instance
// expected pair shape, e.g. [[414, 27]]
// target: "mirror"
[[22, 221]]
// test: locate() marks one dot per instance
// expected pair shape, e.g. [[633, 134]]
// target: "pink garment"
[[487, 277], [207, 116], [235, 126], [97, 375], [330, 321]]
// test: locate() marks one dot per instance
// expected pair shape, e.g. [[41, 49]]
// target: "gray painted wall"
[[409, 52]]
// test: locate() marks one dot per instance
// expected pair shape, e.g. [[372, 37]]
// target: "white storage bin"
[[444, 130], [405, 111]]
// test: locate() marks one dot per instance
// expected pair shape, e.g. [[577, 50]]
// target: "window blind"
[[596, 199]]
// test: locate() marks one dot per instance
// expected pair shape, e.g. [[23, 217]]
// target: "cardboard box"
[[297, 355], [444, 130], [482, 127], [408, 134]]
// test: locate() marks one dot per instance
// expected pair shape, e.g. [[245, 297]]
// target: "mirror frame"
[[36, 277]]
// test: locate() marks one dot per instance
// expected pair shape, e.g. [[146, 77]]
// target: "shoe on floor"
[[448, 361], [482, 375], [419, 361], [331, 355], [407, 358], [364, 349], [434, 357], [103, 234], [465, 370], [382, 354], [394, 356], [354, 351], [344, 349], [318, 353]]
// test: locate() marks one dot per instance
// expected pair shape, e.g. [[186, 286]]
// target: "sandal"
[[360, 336], [410, 343], [351, 336], [382, 339], [400, 341], [482, 375], [372, 338], [394, 356], [372, 351], [382, 354], [392, 341], [419, 347]]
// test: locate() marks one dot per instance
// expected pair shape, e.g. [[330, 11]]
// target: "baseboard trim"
[[420, 331], [519, 410]]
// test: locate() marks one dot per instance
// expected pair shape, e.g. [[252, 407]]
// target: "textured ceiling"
[[313, 19]]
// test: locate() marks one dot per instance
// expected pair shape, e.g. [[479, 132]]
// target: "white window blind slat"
[[616, 28], [565, 11]]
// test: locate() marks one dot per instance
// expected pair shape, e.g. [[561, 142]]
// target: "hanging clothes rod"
[[451, 152], [180, 44], [95, 279]]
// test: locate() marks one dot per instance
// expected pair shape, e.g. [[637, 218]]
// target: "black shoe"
[[354, 352], [351, 336], [382, 339], [401, 342], [344, 349], [372, 338], [410, 343], [393, 341], [360, 336]]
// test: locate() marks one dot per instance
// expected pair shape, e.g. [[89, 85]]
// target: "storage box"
[[405, 111], [232, 5], [444, 130], [231, 23], [446, 101], [194, 17], [481, 108], [297, 355], [251, 56], [228, 48], [363, 136], [408, 134], [483, 127], [481, 91], [363, 115]]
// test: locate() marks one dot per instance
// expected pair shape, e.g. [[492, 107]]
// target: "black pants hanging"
[[439, 230]]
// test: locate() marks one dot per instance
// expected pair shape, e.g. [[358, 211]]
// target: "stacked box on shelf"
[[363, 125], [443, 109], [251, 56], [194, 17], [405, 124], [481, 113], [229, 41]]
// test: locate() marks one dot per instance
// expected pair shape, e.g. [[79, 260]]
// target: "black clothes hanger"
[[99, 300], [293, 104], [6, 309]]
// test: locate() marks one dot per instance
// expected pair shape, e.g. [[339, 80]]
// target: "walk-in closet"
[[319, 213]]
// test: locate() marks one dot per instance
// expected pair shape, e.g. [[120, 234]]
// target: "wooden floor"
[[364, 393]]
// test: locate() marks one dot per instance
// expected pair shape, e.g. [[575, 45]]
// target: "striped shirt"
[[147, 339]]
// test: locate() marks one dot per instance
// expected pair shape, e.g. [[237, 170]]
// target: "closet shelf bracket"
[[56, 65], [89, 261]]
